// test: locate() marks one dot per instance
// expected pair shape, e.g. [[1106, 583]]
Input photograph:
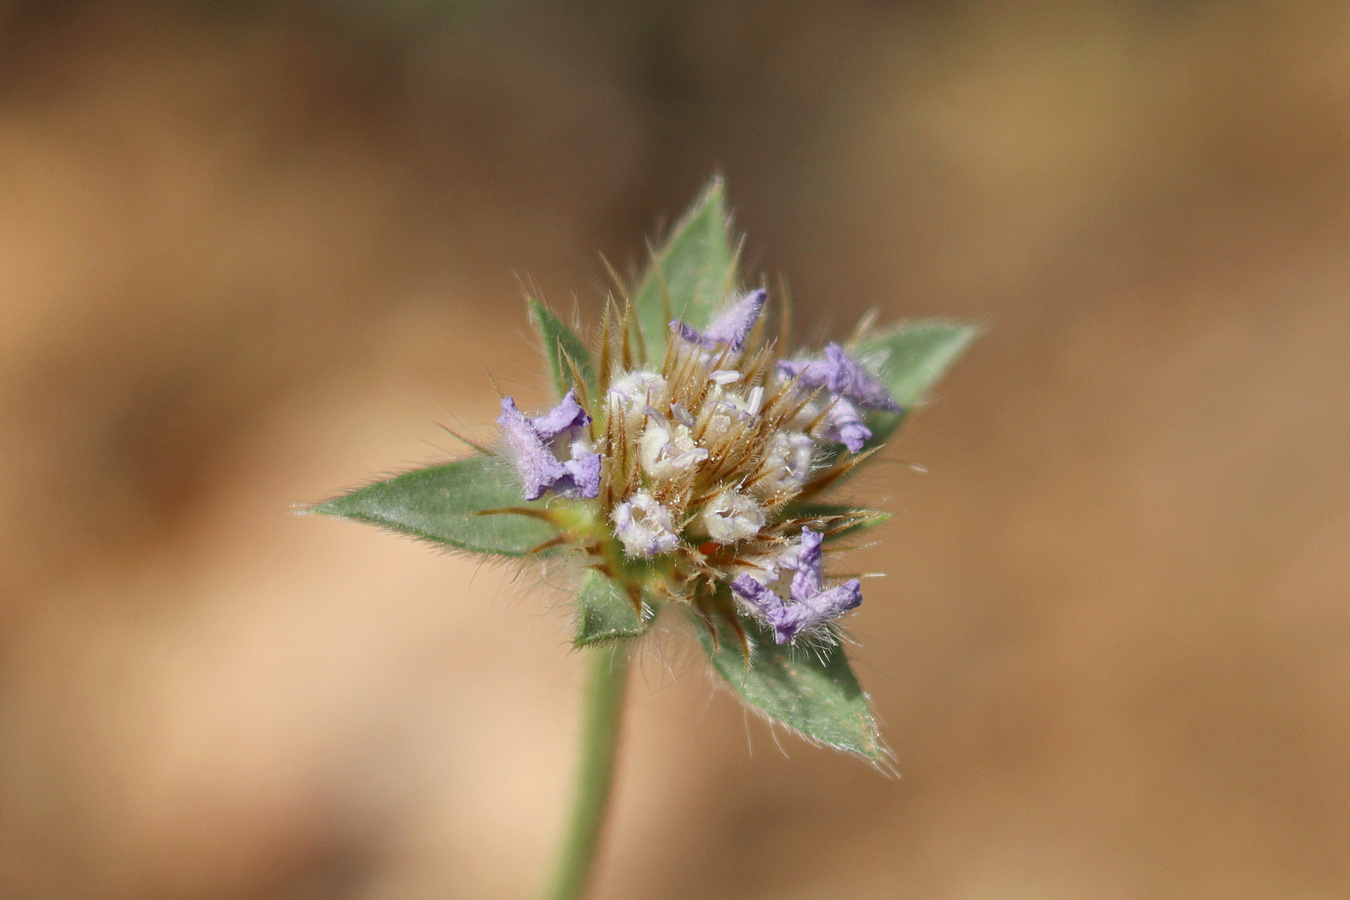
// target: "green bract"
[[689, 463]]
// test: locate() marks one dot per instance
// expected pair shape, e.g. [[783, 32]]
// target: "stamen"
[[681, 414], [725, 377], [756, 401], [689, 457]]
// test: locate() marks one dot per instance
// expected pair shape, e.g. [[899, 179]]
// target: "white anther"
[[756, 401], [724, 377], [689, 457], [681, 415]]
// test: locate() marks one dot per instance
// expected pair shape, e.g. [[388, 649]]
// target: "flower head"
[[701, 466]]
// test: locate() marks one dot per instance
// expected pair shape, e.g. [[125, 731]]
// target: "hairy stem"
[[607, 676]]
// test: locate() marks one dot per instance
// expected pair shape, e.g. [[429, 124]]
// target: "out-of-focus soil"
[[251, 257]]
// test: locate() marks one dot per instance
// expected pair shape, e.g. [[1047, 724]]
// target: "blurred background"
[[254, 253]]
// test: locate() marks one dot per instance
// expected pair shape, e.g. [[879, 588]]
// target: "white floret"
[[667, 450], [633, 392], [731, 516], [644, 526], [787, 464]]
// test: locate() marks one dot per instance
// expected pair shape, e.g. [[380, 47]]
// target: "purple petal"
[[811, 606], [566, 415], [536, 464], [820, 608], [806, 581], [765, 601], [843, 423], [731, 327], [583, 477]]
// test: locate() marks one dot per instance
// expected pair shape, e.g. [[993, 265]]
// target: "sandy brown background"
[[251, 254]]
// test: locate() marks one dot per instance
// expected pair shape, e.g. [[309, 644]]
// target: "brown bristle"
[[784, 313], [820, 417], [668, 357], [788, 401], [758, 369], [701, 607], [626, 318], [729, 284], [554, 542], [578, 385], [634, 460], [614, 277], [635, 597], [735, 622], [667, 314], [833, 474], [529, 511], [605, 325], [863, 327]]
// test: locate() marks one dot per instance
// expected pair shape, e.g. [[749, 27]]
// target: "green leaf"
[[605, 612], [691, 273], [909, 360], [812, 691], [442, 504], [912, 357], [560, 344]]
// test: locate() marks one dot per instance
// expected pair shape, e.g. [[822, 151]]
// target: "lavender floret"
[[843, 376], [732, 327], [532, 441], [539, 469], [812, 605]]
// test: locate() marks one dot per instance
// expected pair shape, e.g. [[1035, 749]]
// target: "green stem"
[[608, 670]]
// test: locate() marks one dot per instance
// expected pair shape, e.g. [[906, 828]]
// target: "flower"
[[731, 516], [812, 605], [732, 327], [532, 444], [843, 376]]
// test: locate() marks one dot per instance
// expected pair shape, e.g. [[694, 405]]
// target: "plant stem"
[[608, 671]]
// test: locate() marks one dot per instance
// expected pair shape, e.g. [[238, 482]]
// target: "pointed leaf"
[[909, 360], [561, 344], [912, 357], [443, 503], [811, 691], [605, 612], [690, 274]]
